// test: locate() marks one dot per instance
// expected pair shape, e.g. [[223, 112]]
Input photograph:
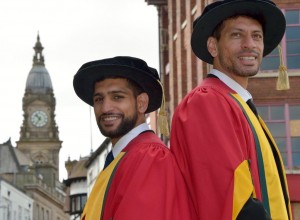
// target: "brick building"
[[181, 71]]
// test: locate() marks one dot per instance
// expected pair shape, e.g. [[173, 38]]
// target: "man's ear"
[[212, 46], [142, 102]]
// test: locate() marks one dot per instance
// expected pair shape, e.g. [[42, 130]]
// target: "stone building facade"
[[33, 165]]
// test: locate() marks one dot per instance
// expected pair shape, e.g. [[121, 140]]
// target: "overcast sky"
[[72, 32]]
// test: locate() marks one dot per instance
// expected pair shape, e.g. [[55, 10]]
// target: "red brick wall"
[[264, 90], [186, 70], [294, 187]]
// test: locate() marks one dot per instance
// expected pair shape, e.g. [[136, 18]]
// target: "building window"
[[43, 214], [290, 44], [91, 176], [37, 211], [77, 203], [284, 123], [20, 213], [47, 215]]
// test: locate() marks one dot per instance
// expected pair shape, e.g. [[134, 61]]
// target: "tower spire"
[[38, 58]]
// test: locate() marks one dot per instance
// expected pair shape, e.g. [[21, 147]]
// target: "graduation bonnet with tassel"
[[163, 116], [283, 78]]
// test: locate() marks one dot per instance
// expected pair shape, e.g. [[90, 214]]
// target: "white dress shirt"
[[122, 143], [233, 85]]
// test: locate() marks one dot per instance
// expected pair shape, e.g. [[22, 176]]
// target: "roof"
[[76, 170], [22, 158], [8, 160], [38, 80]]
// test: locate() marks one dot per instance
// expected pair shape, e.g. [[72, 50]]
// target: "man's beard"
[[236, 69], [243, 73], [127, 124]]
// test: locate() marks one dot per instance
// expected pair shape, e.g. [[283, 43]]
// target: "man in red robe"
[[141, 179], [227, 155]]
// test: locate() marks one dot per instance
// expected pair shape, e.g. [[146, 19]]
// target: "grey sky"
[[72, 32]]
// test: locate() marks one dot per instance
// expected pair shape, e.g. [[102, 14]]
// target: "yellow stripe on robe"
[[94, 206], [278, 152], [243, 188], [276, 199]]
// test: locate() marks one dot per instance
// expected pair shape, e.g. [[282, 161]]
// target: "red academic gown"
[[225, 156], [143, 182]]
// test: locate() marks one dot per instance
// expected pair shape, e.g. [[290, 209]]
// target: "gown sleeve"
[[148, 185], [210, 139]]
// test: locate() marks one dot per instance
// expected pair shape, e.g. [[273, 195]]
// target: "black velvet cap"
[[131, 68], [274, 23]]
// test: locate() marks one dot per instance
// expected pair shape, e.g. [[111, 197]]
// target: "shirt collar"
[[232, 84], [122, 143]]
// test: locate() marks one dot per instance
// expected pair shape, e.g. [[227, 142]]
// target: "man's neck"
[[120, 143], [233, 84]]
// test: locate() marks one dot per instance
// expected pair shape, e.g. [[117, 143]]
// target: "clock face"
[[39, 118]]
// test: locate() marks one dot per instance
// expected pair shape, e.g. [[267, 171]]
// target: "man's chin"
[[118, 130], [248, 73], [110, 134], [116, 133]]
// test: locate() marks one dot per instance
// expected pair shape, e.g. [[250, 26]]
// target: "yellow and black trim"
[[96, 201], [273, 184]]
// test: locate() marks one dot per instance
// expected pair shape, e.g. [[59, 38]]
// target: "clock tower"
[[39, 133]]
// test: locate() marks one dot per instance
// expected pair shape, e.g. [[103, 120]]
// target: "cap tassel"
[[283, 78], [163, 123]]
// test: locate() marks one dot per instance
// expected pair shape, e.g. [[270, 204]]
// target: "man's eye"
[[235, 34], [117, 97], [98, 99], [257, 36]]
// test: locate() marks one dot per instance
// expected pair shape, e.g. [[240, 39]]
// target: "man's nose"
[[249, 42], [106, 105]]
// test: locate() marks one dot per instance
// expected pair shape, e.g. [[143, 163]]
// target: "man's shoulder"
[[210, 96], [209, 90], [212, 86], [147, 138], [147, 146]]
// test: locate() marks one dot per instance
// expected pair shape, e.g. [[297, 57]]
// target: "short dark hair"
[[136, 88]]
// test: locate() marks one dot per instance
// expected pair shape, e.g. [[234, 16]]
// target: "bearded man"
[[141, 179]]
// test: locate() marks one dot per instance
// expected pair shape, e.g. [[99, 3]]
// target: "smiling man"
[[227, 155], [141, 179]]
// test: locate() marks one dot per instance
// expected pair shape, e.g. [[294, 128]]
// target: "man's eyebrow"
[[111, 92], [241, 29]]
